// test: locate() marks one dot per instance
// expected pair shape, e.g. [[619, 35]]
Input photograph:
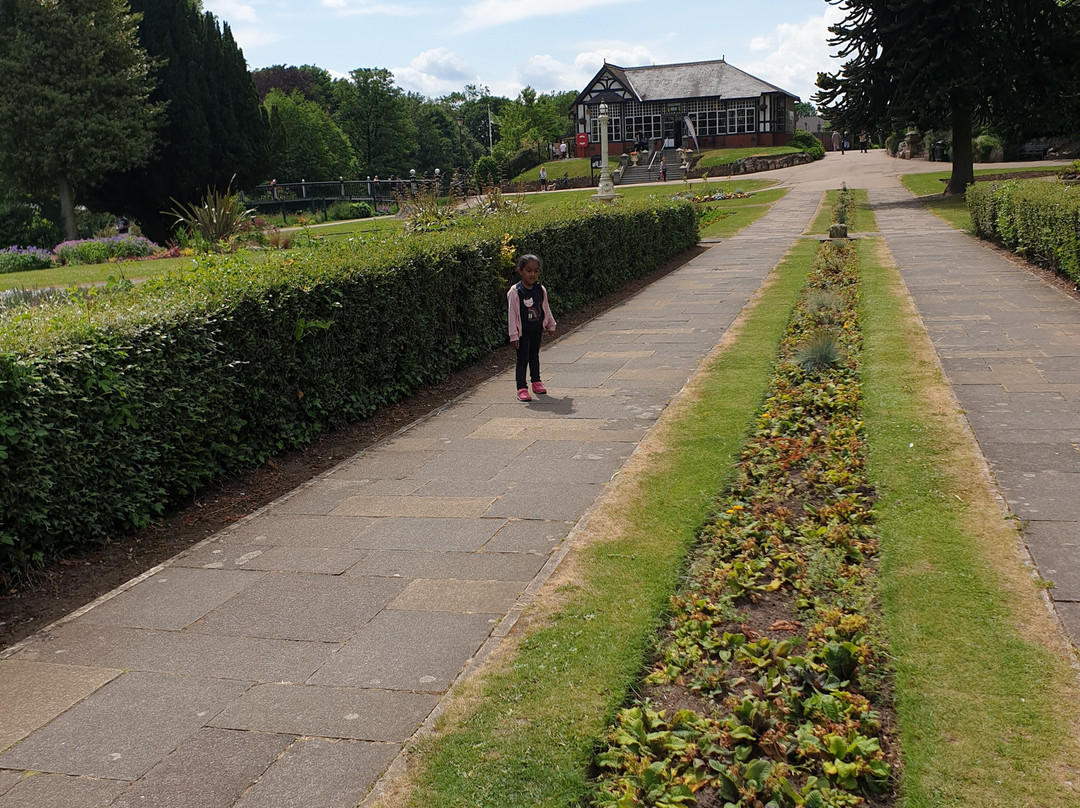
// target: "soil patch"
[[47, 594]]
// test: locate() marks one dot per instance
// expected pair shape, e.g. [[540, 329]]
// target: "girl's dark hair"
[[528, 258]]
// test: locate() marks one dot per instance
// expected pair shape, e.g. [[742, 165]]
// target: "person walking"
[[528, 317], [837, 142], [864, 140], [543, 178], [663, 170]]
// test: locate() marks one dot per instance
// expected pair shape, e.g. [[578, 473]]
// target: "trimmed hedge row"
[[115, 407], [1036, 219]]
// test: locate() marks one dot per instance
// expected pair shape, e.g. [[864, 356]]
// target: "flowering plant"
[[100, 250], [22, 259]]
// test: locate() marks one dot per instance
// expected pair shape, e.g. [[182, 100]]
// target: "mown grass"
[[988, 706], [863, 221], [953, 209], [524, 732], [86, 274]]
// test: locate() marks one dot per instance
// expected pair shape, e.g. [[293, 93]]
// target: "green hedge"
[[1037, 219], [113, 408]]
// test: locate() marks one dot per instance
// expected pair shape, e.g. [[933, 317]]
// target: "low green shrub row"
[[120, 403], [24, 259], [100, 250], [1036, 219]]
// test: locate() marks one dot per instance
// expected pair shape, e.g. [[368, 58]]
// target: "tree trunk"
[[963, 168], [67, 209]]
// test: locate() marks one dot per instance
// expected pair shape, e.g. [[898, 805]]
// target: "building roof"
[[688, 80]]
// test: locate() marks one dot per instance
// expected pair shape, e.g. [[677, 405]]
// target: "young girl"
[[529, 316]]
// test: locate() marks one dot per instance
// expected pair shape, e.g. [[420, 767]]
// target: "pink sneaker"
[[523, 395], [538, 388]]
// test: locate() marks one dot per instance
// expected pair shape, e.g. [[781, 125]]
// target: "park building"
[[696, 105]]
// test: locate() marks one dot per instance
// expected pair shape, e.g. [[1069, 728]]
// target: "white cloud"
[[490, 13], [793, 54], [231, 11], [367, 7], [435, 72]]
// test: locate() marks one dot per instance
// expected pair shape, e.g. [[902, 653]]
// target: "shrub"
[[129, 401], [1037, 219], [21, 259], [21, 223], [349, 210], [486, 171], [983, 147], [218, 219], [100, 250], [804, 141]]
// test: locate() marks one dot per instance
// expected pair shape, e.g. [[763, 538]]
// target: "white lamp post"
[[606, 189]]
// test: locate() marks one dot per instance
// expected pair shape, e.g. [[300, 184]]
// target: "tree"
[[74, 103], [943, 65], [804, 109], [313, 82], [214, 131], [372, 112], [312, 147]]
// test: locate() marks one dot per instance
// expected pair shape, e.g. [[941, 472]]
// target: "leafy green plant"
[[424, 211], [100, 250], [24, 259], [349, 210], [217, 220]]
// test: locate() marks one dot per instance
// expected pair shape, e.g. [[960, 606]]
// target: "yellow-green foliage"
[[1037, 219], [115, 404]]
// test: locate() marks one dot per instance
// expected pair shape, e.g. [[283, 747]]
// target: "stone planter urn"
[[634, 157]]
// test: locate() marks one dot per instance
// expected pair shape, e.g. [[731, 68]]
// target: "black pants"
[[528, 353]]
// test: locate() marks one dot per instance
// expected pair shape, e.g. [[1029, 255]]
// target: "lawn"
[[953, 209]]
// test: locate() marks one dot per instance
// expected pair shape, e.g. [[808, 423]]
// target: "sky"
[[435, 47]]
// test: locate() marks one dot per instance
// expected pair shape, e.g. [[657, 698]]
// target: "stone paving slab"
[[172, 598], [8, 779], [485, 566], [300, 531], [122, 730], [528, 536], [1055, 546], [34, 693], [441, 534], [181, 653], [328, 712], [470, 597], [1041, 495], [419, 651], [319, 498], [319, 773], [431, 507], [224, 763], [62, 791], [554, 500], [316, 608], [1006, 456]]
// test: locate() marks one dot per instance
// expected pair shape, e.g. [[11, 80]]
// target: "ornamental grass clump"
[[821, 350], [23, 259], [218, 220], [768, 686]]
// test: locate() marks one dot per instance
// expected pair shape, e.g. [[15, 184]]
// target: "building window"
[[614, 129], [741, 116], [643, 127]]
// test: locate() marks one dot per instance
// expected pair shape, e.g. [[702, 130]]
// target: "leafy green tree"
[[214, 131], [372, 112], [312, 147], [804, 109], [313, 82], [945, 65], [74, 102]]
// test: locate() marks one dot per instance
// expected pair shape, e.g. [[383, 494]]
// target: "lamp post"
[[605, 191]]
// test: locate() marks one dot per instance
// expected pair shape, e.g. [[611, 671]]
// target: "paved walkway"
[[287, 660]]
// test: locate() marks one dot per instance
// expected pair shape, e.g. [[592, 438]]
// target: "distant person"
[[273, 188], [562, 150], [837, 142], [663, 170], [528, 317], [122, 226], [543, 178], [864, 140]]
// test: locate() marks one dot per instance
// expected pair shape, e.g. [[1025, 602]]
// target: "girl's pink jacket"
[[514, 313]]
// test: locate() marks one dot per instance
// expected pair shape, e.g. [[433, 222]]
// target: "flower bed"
[[100, 250], [24, 259], [768, 686]]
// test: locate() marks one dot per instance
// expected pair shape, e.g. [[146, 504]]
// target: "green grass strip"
[[863, 221], [987, 703], [531, 722]]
